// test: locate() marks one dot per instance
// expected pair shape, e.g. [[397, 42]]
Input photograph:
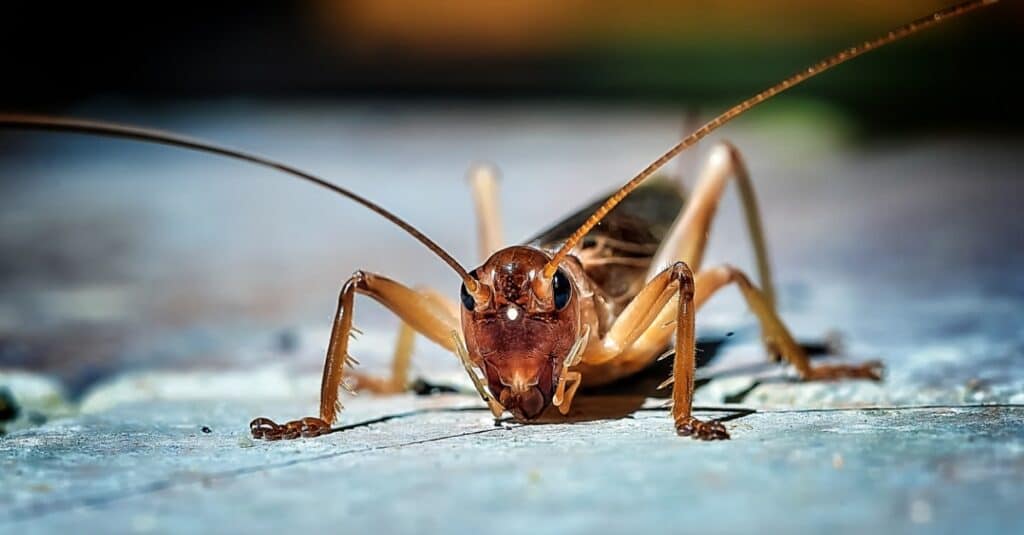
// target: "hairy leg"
[[423, 316], [398, 381], [483, 181], [669, 293]]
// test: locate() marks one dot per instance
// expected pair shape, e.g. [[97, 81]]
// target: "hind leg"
[[687, 239], [775, 334], [483, 180]]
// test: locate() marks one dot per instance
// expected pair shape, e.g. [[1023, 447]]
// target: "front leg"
[[422, 315], [684, 367], [642, 331]]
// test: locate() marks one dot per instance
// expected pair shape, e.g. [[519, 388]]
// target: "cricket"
[[597, 297]]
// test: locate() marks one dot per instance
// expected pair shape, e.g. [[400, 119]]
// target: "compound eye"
[[562, 289], [467, 299]]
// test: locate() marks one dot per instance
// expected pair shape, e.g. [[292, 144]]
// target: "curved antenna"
[[735, 111], [61, 124]]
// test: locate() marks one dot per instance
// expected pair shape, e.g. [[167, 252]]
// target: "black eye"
[[467, 300], [562, 289]]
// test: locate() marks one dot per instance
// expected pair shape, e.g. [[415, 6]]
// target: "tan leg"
[[423, 315], [569, 381], [669, 293], [657, 335], [666, 305], [484, 181], [687, 240], [398, 381], [776, 335], [568, 384], [684, 366], [637, 318], [467, 363]]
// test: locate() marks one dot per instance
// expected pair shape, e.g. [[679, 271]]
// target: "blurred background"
[[877, 179], [692, 53]]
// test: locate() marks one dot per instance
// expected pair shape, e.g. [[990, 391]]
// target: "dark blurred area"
[[695, 53]]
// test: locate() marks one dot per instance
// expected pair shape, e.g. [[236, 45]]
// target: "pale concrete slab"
[[150, 467]]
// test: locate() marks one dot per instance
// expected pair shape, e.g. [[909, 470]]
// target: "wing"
[[618, 251], [641, 218]]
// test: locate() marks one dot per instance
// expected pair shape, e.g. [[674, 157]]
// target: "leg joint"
[[723, 155], [726, 145], [735, 274], [358, 281], [684, 276], [731, 270]]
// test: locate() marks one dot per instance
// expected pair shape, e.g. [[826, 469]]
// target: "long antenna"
[[735, 111], [61, 124]]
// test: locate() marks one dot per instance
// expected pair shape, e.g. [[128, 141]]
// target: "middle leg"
[[774, 332]]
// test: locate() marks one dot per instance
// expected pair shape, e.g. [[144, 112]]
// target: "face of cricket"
[[520, 327]]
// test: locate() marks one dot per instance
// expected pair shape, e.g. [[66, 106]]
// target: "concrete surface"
[[151, 467], [147, 293]]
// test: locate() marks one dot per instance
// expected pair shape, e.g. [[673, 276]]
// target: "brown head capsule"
[[521, 335]]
